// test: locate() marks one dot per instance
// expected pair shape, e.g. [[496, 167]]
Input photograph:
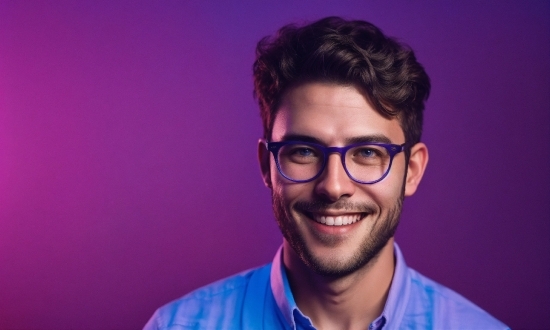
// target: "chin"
[[332, 264]]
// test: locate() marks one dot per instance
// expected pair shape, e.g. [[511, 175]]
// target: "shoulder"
[[215, 306], [439, 307]]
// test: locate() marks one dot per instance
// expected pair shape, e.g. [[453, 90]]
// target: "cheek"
[[289, 192], [388, 191], [387, 194], [278, 182]]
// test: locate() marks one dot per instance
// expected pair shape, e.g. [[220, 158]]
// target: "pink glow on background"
[[128, 173]]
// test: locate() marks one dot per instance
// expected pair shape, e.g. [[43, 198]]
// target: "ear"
[[265, 166], [415, 170]]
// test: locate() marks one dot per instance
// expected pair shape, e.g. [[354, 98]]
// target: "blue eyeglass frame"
[[393, 149]]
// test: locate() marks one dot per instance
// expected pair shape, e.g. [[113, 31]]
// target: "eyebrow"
[[374, 138]]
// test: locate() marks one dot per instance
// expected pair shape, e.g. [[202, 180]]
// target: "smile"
[[338, 220]]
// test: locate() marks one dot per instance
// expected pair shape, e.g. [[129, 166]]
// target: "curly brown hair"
[[340, 51]]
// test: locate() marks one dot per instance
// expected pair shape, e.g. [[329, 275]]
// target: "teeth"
[[340, 220]]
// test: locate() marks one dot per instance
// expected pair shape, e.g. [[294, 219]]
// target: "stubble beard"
[[381, 232]]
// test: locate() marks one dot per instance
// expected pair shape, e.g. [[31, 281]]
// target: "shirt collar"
[[394, 308], [281, 289]]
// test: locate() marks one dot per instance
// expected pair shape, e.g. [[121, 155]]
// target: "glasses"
[[365, 163]]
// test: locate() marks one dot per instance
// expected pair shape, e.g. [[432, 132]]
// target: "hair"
[[346, 52]]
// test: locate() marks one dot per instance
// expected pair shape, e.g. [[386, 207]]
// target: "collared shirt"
[[261, 298]]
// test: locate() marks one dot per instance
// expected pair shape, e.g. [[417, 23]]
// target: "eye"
[[300, 154], [304, 152], [369, 155], [367, 152]]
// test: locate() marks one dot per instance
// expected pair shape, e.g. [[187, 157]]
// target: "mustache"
[[318, 206]]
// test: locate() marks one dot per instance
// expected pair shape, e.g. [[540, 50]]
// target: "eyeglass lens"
[[364, 163]]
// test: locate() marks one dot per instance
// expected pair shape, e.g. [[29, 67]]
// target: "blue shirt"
[[261, 299]]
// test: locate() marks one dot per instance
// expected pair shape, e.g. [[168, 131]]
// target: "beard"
[[381, 232]]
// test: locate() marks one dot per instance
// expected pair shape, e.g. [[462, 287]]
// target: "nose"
[[334, 183]]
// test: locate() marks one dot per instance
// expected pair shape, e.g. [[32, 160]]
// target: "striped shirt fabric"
[[261, 299]]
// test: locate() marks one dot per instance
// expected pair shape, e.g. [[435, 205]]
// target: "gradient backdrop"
[[128, 172]]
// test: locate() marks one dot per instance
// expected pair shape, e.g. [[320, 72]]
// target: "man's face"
[[335, 115]]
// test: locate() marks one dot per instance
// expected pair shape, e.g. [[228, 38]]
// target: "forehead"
[[332, 114]]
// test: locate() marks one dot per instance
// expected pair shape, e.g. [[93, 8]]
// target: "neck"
[[349, 302]]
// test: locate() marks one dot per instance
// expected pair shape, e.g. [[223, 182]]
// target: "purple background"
[[128, 172]]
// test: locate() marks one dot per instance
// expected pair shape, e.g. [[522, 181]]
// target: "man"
[[342, 109]]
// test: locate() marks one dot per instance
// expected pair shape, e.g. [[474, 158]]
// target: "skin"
[[339, 275]]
